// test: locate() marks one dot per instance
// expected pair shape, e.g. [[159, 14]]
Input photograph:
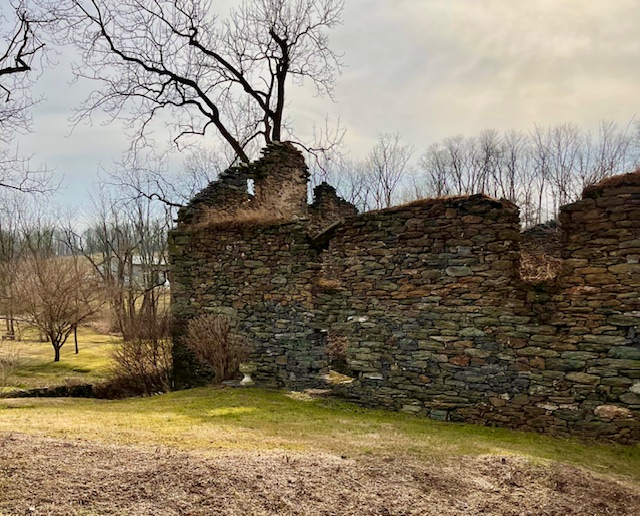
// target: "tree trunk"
[[57, 353], [75, 337]]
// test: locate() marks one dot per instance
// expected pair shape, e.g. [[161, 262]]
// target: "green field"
[[216, 420], [36, 367], [212, 420]]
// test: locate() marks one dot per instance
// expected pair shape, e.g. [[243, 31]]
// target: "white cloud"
[[431, 69]]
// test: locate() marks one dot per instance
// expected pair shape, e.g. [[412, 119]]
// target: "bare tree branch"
[[20, 47], [205, 71]]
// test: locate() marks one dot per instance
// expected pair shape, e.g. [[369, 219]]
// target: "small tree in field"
[[55, 294]]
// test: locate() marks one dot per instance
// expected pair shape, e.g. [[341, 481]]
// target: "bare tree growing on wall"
[[20, 48], [205, 72]]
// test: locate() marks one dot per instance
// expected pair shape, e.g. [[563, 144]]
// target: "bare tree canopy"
[[539, 171], [389, 163], [199, 71], [20, 46]]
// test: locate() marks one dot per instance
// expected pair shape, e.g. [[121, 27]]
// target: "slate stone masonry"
[[429, 300]]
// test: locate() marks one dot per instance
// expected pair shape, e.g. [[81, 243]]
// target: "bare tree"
[[201, 167], [54, 293], [9, 254], [460, 153], [207, 72], [613, 152], [433, 164], [539, 171], [126, 244], [20, 48], [388, 162], [149, 176]]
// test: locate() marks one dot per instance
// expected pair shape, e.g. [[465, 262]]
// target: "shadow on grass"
[[253, 419]]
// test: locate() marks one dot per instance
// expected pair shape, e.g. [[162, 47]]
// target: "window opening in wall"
[[336, 346]]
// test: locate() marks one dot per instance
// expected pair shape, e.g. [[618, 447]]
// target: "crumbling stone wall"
[[262, 278], [436, 318], [428, 303], [542, 238], [280, 179], [440, 324], [328, 208]]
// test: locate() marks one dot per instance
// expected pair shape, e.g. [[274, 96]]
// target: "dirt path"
[[41, 476]]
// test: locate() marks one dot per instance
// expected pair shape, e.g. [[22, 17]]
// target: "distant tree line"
[[539, 171], [58, 273]]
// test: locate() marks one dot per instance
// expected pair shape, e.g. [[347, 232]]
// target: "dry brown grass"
[[242, 217], [430, 201], [41, 476], [619, 181], [327, 284], [537, 267]]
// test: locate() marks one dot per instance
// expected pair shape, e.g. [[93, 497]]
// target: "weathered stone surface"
[[630, 398], [422, 305], [624, 320], [458, 271], [626, 353], [612, 412], [625, 268], [589, 379]]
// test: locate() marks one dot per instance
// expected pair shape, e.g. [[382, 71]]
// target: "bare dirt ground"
[[41, 476]]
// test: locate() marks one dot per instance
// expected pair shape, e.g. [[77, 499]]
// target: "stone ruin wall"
[[429, 299]]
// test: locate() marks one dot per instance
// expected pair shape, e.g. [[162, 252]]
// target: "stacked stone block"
[[328, 208], [281, 178]]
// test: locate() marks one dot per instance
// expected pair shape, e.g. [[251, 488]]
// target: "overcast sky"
[[425, 68]]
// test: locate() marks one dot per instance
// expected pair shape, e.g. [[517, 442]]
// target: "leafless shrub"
[[337, 346], [536, 267], [212, 340], [9, 360], [143, 364], [337, 352]]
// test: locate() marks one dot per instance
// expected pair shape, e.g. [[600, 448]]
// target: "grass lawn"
[[304, 451], [36, 367], [215, 421]]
